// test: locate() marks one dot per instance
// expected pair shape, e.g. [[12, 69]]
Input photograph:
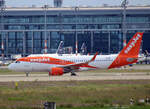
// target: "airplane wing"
[[78, 65]]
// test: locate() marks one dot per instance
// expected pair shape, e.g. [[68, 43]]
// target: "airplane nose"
[[10, 67]]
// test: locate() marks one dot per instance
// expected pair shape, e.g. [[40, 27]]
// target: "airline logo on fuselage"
[[132, 43], [40, 60]]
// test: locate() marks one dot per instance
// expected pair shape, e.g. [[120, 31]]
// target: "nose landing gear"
[[27, 74]]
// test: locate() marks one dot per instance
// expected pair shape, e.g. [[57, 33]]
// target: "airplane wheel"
[[73, 74]]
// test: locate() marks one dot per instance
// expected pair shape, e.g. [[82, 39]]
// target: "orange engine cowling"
[[56, 71]]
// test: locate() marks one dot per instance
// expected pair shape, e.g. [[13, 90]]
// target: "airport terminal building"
[[23, 29]]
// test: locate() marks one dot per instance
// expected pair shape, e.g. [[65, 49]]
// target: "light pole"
[[45, 27], [2, 7], [76, 10], [124, 5]]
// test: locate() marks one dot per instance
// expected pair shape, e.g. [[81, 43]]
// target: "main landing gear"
[[73, 74]]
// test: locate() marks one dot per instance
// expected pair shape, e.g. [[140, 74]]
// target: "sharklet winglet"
[[94, 57]]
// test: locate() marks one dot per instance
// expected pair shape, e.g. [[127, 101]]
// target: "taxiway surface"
[[81, 76]]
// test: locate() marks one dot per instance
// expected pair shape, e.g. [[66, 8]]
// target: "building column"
[[109, 42], [32, 43], [92, 42], [24, 44], [76, 42], [49, 40], [16, 42], [6, 44]]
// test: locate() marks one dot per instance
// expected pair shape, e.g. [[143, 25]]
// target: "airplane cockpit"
[[17, 62]]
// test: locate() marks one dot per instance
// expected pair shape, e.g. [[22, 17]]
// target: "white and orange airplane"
[[59, 65]]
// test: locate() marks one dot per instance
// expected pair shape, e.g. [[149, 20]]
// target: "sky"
[[69, 3]]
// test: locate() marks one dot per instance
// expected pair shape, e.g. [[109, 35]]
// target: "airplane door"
[[28, 66]]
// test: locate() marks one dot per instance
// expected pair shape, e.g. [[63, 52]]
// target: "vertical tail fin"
[[130, 52], [132, 49]]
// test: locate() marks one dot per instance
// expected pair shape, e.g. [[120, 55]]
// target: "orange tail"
[[130, 52]]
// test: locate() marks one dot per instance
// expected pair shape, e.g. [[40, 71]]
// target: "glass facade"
[[25, 34]]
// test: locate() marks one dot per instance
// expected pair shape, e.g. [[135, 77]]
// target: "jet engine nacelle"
[[56, 71]]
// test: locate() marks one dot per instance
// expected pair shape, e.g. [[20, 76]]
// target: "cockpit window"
[[17, 62]]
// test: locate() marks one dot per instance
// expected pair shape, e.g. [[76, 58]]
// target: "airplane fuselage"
[[46, 62]]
